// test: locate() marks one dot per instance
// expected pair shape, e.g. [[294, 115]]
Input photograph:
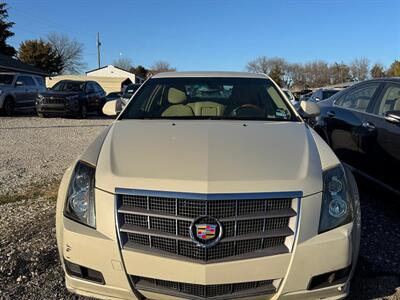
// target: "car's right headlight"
[[337, 207], [80, 203]]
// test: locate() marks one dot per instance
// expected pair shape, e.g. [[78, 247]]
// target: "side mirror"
[[112, 108], [317, 99], [310, 109], [393, 116], [19, 83]]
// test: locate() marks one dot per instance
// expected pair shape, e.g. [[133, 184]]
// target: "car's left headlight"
[[337, 207], [80, 203]]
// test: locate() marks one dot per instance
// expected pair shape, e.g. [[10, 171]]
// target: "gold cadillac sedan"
[[208, 185]]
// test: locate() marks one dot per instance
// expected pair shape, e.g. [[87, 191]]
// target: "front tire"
[[41, 115], [83, 112], [8, 107]]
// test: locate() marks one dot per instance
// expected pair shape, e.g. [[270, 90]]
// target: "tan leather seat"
[[176, 98], [207, 108]]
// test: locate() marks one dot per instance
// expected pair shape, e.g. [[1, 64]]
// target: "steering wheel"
[[259, 110]]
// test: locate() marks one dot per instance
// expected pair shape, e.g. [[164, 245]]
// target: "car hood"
[[59, 94], [209, 157]]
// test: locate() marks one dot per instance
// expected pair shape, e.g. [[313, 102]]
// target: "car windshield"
[[327, 94], [209, 98], [69, 86], [6, 79]]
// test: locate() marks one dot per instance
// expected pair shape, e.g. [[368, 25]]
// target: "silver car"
[[19, 91]]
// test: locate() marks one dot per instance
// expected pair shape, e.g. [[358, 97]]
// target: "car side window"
[[27, 80], [98, 88], [90, 87], [24, 81], [359, 98], [40, 81], [390, 100]]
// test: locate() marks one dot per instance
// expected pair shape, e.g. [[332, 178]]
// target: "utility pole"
[[98, 44]]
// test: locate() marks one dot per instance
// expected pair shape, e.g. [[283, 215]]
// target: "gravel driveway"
[[36, 152]]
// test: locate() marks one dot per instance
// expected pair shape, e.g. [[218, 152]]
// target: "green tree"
[[42, 55], [377, 71], [5, 32], [140, 70], [394, 70]]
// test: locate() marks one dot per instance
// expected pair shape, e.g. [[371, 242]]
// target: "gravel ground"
[[34, 150]]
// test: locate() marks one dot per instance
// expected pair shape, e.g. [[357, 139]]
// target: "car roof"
[[209, 74], [18, 73], [396, 79]]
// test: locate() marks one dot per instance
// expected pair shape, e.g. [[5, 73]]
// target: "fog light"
[[81, 272], [329, 279]]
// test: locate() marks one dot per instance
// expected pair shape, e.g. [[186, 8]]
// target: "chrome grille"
[[161, 225], [54, 100], [198, 291]]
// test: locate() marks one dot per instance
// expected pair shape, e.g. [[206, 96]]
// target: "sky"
[[216, 34]]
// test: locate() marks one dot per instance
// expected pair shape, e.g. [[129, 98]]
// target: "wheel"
[[41, 115], [83, 112], [100, 112], [8, 107]]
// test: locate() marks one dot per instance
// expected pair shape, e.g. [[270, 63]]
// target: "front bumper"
[[99, 249], [66, 108]]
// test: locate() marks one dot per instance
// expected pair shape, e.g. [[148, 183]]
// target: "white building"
[[112, 71]]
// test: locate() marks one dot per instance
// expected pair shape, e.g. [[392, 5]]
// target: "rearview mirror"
[[393, 116], [112, 108], [310, 109]]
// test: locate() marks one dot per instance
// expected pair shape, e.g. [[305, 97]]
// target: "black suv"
[[71, 98]]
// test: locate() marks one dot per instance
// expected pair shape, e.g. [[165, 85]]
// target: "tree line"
[[58, 53], [319, 73]]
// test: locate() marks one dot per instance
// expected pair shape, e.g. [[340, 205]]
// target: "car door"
[[33, 90], [380, 140], [91, 95], [101, 94], [344, 122], [21, 91]]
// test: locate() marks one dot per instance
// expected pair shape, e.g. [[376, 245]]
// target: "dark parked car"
[[322, 94], [72, 98], [113, 96], [362, 125]]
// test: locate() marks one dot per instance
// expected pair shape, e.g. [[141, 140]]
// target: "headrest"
[[397, 104], [176, 96]]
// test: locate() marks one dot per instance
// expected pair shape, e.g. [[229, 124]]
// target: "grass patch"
[[38, 190]]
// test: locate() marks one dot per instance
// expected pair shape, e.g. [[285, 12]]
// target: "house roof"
[[114, 67], [16, 65]]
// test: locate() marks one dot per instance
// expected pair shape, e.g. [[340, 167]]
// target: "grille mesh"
[[163, 224], [202, 291]]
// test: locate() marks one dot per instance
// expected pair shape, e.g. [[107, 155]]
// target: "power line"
[[72, 31]]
